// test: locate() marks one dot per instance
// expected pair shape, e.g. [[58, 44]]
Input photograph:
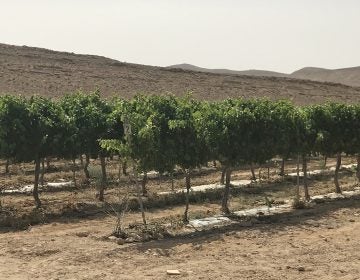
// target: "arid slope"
[[27, 70], [254, 72], [346, 76]]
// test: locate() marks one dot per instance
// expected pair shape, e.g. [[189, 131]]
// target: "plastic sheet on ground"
[[265, 210], [21, 190], [60, 184], [322, 171], [150, 175], [209, 221], [27, 189], [309, 173], [203, 188], [333, 195]]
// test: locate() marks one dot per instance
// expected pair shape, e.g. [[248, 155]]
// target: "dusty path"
[[320, 243]]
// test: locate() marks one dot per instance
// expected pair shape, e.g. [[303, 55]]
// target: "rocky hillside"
[[27, 70]]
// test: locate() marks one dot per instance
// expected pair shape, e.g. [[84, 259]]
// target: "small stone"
[[120, 241], [129, 240], [145, 237], [301, 268], [197, 247], [173, 272], [82, 234], [112, 238], [351, 220]]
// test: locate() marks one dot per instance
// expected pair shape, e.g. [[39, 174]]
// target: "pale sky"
[[278, 35]]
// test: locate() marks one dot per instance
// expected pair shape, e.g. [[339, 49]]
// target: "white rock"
[[173, 272]]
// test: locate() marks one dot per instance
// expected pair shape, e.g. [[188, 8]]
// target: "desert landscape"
[[27, 71], [177, 140]]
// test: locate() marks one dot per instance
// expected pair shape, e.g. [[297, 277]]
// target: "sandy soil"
[[322, 242], [319, 243]]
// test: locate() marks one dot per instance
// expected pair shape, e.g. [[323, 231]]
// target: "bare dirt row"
[[321, 241]]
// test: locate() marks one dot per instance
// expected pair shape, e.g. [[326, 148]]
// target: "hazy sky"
[[279, 35]]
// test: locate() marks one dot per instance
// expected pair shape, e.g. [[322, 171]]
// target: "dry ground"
[[27, 71], [319, 243]]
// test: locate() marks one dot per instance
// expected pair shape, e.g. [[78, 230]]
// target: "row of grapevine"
[[163, 132], [35, 128]]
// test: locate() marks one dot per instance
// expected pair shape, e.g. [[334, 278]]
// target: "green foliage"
[[161, 132], [31, 128], [91, 120], [240, 131], [47, 129], [147, 138], [333, 124], [287, 125], [189, 148], [14, 123], [165, 131]]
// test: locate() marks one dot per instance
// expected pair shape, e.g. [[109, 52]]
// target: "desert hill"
[[27, 70], [347, 76], [190, 67]]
